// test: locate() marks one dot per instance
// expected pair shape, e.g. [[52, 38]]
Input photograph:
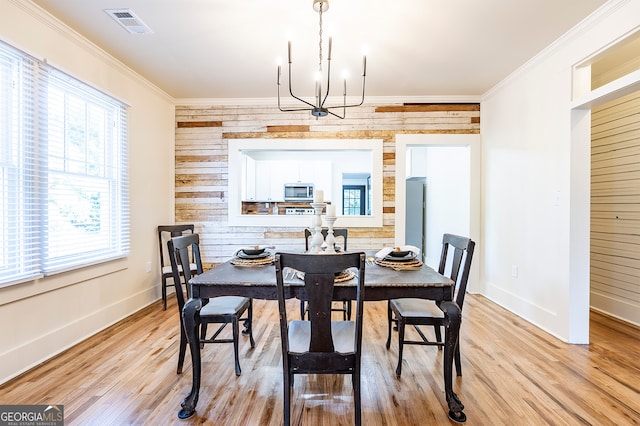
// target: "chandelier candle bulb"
[[329, 54], [364, 66], [289, 50]]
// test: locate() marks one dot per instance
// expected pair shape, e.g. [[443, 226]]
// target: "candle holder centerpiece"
[[315, 245], [330, 240]]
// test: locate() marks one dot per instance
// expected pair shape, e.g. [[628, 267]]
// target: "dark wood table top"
[[381, 283]]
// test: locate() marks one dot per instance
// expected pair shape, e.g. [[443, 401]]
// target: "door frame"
[[473, 141]]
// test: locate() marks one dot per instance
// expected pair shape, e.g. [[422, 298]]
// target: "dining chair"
[[419, 312], [319, 345], [338, 233], [165, 233], [221, 310]]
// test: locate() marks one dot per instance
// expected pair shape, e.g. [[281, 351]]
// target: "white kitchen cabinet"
[[281, 173], [249, 179], [263, 180], [270, 177]]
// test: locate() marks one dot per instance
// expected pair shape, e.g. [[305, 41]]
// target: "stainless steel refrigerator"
[[416, 213]]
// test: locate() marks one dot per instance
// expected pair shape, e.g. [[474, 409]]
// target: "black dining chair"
[[319, 345], [419, 312], [221, 310], [165, 233], [340, 234]]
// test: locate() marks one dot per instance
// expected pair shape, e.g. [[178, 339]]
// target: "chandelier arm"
[[294, 96], [351, 105], [364, 78], [326, 95], [336, 115], [289, 109], [295, 109]]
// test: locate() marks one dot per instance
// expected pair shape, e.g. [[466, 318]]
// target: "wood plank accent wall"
[[202, 168], [615, 208]]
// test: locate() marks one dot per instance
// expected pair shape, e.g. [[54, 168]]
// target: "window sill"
[[24, 290]]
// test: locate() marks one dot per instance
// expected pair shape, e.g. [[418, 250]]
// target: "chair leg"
[[183, 349], [303, 309], [400, 345], [438, 333], [456, 358], [203, 334], [288, 385], [389, 318], [236, 355], [248, 324], [357, 397], [164, 292], [346, 310]]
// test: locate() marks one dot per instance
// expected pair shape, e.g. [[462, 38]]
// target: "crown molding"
[[370, 100], [583, 26], [76, 38]]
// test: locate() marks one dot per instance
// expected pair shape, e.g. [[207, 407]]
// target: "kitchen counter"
[[267, 207]]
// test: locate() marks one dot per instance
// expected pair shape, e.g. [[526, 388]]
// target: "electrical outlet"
[[148, 266], [514, 271]]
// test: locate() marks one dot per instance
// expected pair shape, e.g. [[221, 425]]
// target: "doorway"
[[597, 80], [433, 156], [447, 201]]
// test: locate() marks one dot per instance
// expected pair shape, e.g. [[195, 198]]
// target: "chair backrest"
[[165, 233], [337, 232], [459, 271], [181, 250], [319, 275]]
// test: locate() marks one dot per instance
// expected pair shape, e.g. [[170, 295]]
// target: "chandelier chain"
[[320, 42]]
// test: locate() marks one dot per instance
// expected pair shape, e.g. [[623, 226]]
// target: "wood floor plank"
[[513, 373]]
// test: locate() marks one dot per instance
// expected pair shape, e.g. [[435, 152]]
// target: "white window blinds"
[[63, 181]]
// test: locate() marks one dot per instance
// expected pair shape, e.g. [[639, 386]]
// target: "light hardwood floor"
[[513, 374]]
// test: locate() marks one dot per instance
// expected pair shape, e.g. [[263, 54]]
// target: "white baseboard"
[[20, 359]]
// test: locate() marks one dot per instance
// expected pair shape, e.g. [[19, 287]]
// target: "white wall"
[[536, 181], [39, 319]]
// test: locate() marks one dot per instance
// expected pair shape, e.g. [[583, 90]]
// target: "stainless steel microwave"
[[298, 192]]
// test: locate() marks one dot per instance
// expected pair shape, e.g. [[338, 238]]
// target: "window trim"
[[26, 162]]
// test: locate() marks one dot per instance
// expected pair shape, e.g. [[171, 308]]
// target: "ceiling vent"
[[129, 21]]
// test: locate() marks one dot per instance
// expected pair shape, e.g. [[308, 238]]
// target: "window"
[[63, 171], [353, 200]]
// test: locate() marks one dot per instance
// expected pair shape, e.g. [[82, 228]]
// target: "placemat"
[[414, 264], [342, 277], [236, 261]]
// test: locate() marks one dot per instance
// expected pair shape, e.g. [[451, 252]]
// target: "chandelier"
[[319, 109]]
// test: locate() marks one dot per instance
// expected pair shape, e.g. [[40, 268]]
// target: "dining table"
[[381, 283]]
